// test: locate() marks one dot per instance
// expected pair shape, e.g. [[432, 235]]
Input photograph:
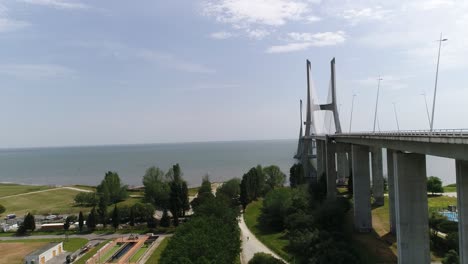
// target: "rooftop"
[[44, 249]]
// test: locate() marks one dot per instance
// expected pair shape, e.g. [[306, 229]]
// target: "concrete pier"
[[391, 191], [462, 200], [361, 188], [411, 208], [330, 149], [321, 158], [377, 176], [342, 169]]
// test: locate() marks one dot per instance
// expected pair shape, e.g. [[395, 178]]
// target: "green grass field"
[[53, 201], [276, 241], [192, 191], [72, 245], [109, 253], [138, 254], [12, 189], [154, 259], [450, 188], [90, 253]]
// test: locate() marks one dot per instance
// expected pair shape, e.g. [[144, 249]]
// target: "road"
[[250, 244]]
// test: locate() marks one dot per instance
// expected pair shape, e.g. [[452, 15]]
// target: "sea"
[[87, 165]]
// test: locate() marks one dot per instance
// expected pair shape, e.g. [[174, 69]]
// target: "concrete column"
[[321, 158], [462, 204], [361, 187], [377, 176], [411, 208], [342, 166], [391, 191], [331, 170]]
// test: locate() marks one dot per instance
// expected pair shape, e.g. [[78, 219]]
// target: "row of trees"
[[212, 234], [258, 181], [167, 191]]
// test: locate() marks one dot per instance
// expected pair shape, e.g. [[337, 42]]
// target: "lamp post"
[[396, 116], [440, 40], [377, 102], [427, 109], [351, 119]]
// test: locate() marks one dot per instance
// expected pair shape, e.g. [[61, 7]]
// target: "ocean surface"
[[221, 160]]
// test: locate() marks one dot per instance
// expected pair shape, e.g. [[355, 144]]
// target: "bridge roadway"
[[341, 155]]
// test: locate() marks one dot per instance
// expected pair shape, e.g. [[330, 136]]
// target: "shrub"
[[263, 258]]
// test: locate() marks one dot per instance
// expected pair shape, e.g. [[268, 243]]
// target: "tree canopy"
[[434, 185], [274, 177], [157, 187], [112, 187], [252, 185]]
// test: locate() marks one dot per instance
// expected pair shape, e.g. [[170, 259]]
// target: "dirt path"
[[251, 245], [48, 190]]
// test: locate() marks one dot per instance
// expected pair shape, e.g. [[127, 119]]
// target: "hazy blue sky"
[[117, 72]]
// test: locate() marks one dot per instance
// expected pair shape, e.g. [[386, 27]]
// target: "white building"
[[44, 254]]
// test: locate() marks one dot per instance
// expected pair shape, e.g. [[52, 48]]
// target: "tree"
[[132, 216], [165, 219], [66, 225], [117, 192], [80, 221], [434, 185], [102, 209], [206, 185], [276, 207], [91, 221], [29, 222], [178, 196], [151, 222], [451, 258], [230, 189], [203, 193], [115, 217], [2, 209], [157, 187], [86, 199], [264, 258], [274, 177], [252, 185], [296, 175]]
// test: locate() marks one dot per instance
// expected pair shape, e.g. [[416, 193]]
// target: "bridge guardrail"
[[459, 132]]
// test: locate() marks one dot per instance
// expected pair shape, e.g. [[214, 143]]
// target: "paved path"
[[48, 190], [250, 244]]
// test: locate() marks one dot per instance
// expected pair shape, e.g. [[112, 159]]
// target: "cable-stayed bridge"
[[324, 150]]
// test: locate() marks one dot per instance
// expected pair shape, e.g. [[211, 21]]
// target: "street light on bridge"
[[377, 101], [396, 116], [427, 109], [440, 40], [351, 119]]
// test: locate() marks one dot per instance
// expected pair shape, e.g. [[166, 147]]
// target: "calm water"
[[87, 165], [221, 160]]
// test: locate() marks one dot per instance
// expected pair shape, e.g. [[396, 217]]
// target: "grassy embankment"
[[276, 241], [90, 253], [7, 189], [450, 188], [154, 259], [13, 251]]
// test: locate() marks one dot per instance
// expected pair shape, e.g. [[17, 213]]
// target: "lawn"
[[90, 253], [192, 191], [154, 259], [109, 253], [72, 245], [14, 252], [12, 189], [450, 188], [276, 241], [138, 254], [54, 201]]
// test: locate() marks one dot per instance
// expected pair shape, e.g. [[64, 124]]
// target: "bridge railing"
[[457, 132]]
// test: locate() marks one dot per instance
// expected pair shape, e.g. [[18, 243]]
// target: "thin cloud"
[[221, 35], [171, 61], [303, 41], [35, 71], [58, 4], [291, 47], [8, 24]]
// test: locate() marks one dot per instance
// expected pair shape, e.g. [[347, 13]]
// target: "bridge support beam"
[[377, 176], [411, 208], [391, 190], [321, 158], [342, 169], [331, 170], [462, 197], [361, 188]]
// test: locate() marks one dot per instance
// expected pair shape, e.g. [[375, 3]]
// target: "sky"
[[125, 72]]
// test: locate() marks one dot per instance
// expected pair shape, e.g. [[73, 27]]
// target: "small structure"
[[52, 226], [44, 254]]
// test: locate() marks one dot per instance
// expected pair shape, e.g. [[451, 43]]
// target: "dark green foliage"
[[252, 185], [211, 236], [451, 258], [102, 208], [203, 193], [434, 185], [112, 188], [156, 187], [29, 222], [276, 207], [274, 177], [318, 191], [230, 189], [132, 216], [205, 186], [66, 225], [142, 211], [115, 217], [91, 221], [2, 209], [151, 222], [263, 258], [21, 231], [80, 221], [165, 219], [296, 175], [86, 199]]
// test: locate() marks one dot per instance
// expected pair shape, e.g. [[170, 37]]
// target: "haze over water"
[[221, 160]]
